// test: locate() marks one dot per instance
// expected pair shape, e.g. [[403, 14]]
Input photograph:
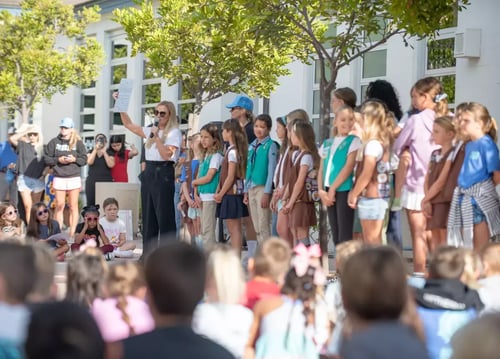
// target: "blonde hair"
[[472, 268], [74, 137], [491, 256], [32, 128], [481, 114], [272, 258], [171, 123], [225, 273], [446, 122], [378, 124], [124, 280], [433, 87], [345, 250]]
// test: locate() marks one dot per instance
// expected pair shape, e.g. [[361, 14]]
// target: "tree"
[[32, 66], [340, 31], [209, 46]]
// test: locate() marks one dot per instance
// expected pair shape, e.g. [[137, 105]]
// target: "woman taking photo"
[[121, 155], [30, 165], [100, 164], [163, 142], [66, 154]]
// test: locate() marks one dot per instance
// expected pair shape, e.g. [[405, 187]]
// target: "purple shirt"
[[416, 136]]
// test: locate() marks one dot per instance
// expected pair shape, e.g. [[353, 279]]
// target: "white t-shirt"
[[337, 140], [232, 155], [113, 229], [307, 160], [226, 324], [174, 138], [215, 163], [374, 149]]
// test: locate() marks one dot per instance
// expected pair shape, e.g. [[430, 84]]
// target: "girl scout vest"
[[210, 187], [258, 161], [338, 162]]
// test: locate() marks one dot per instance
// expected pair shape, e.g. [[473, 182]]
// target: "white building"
[[474, 75]]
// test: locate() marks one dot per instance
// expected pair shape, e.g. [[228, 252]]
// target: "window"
[[119, 53], [441, 63], [185, 107], [150, 93], [375, 64], [87, 110]]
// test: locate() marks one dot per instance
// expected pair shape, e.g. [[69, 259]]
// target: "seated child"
[[125, 312], [445, 304], [115, 230], [41, 226], [17, 277], [375, 296], [267, 269], [215, 319], [44, 289], [86, 274], [333, 295], [478, 339], [91, 229], [489, 286], [10, 223]]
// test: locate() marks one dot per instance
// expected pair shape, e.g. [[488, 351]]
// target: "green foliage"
[[211, 46], [32, 66]]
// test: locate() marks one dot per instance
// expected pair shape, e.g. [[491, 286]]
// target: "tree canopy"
[[32, 66], [211, 47]]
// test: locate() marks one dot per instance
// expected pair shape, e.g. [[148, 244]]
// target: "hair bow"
[[306, 257], [440, 97], [89, 243]]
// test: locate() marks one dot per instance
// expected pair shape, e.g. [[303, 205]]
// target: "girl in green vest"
[[208, 180], [335, 179]]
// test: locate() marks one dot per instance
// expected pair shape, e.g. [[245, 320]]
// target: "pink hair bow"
[[306, 257], [89, 243]]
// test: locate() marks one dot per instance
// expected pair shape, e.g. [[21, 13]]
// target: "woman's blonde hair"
[[73, 139], [225, 273], [124, 280], [171, 123], [32, 128]]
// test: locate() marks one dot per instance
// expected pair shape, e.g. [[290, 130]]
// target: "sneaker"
[[123, 254], [109, 256], [396, 205]]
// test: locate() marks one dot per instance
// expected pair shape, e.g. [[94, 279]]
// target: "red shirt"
[[119, 171], [258, 289]]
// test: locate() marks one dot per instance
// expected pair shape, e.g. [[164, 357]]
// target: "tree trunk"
[[324, 133], [25, 112]]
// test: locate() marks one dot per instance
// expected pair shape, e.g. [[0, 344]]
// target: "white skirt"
[[411, 200]]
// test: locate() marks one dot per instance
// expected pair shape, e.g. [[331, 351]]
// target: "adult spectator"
[[121, 155], [100, 162], [8, 159], [30, 165]]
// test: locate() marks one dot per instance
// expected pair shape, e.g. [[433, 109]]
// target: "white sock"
[[252, 248]]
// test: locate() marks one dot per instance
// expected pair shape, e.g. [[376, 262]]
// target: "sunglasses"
[[91, 219], [160, 113], [32, 134], [10, 213], [43, 211]]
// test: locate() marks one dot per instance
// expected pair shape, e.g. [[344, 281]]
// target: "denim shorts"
[[372, 208], [478, 215], [25, 183]]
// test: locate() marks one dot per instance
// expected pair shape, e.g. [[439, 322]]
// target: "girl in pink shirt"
[[428, 98], [124, 313]]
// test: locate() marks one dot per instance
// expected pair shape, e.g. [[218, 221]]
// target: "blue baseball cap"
[[243, 102], [67, 122]]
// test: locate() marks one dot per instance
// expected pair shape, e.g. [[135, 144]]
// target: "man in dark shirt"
[[175, 276]]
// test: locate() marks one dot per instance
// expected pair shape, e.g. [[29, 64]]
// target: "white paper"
[[124, 94]]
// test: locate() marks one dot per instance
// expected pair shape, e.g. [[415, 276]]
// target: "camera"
[[99, 142]]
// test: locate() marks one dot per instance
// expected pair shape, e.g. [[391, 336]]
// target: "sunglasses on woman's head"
[[42, 211], [32, 134], [160, 113]]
